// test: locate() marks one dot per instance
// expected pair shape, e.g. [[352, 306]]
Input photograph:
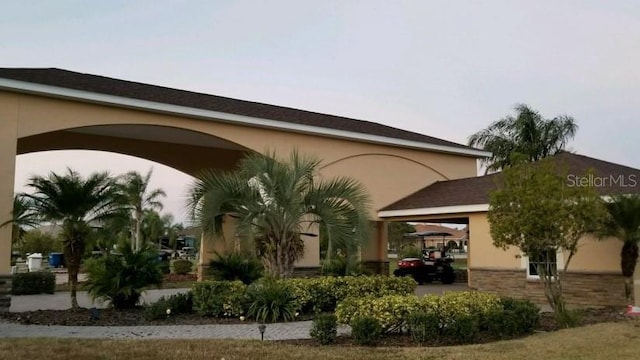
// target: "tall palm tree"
[[22, 217], [624, 224], [527, 135], [140, 199], [78, 203], [276, 202]]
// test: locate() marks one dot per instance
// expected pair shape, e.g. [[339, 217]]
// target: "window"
[[548, 260]]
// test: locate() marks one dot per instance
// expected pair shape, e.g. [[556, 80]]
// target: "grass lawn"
[[601, 341]]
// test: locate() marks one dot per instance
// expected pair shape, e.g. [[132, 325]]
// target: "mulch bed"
[[136, 317]]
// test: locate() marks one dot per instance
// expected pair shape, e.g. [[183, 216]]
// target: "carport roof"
[[158, 94], [620, 179]]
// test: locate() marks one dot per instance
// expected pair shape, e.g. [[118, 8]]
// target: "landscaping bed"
[[136, 317]]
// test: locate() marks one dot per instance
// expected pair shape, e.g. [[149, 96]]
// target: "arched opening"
[[184, 150]]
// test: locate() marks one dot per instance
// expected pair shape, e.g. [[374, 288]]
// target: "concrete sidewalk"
[[62, 301]]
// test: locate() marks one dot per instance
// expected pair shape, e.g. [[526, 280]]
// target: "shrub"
[[452, 305], [568, 318], [322, 294], [235, 266], [121, 279], [464, 329], [390, 311], [524, 313], [182, 267], [33, 283], [177, 304], [423, 326], [366, 330], [218, 298], [343, 266], [376, 286], [271, 301], [324, 328]]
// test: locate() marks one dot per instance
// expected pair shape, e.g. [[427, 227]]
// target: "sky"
[[441, 68]]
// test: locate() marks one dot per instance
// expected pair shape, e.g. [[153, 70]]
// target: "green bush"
[[33, 283], [176, 304], [235, 266], [218, 298], [121, 279], [366, 330], [344, 266], [523, 312], [182, 267], [424, 326], [324, 328], [568, 318], [464, 329], [271, 301], [322, 294], [390, 311]]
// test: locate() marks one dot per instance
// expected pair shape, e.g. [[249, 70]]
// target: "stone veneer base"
[[580, 289]]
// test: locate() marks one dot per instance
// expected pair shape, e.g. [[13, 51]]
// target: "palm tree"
[[276, 202], [624, 223], [77, 203], [22, 217], [527, 136], [140, 200]]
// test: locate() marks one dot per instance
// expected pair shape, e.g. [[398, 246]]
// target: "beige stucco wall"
[[482, 253], [597, 255], [39, 123], [594, 254]]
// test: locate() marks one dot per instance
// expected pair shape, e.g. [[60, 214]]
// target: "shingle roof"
[[134, 90], [620, 179]]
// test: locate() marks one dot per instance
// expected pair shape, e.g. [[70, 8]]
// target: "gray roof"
[[134, 90]]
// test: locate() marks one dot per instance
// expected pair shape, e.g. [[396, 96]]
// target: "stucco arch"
[[47, 109], [182, 149]]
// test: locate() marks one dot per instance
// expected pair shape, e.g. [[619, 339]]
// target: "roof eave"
[[92, 97]]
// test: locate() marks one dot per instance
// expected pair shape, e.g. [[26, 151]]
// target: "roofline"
[[92, 97], [455, 209], [434, 210]]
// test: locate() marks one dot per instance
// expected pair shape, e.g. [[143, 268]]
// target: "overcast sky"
[[442, 68]]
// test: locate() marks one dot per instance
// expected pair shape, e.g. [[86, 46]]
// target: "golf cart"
[[434, 265]]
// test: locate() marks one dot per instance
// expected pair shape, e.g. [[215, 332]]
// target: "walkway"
[[59, 301]]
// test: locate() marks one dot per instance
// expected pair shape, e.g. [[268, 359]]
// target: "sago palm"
[[624, 224], [527, 135], [275, 202], [76, 203]]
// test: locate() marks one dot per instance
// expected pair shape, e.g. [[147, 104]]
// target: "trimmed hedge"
[[166, 306], [456, 316], [219, 298], [182, 267], [392, 311], [33, 283], [322, 294]]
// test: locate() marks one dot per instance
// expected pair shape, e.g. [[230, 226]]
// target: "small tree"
[[395, 234], [535, 210]]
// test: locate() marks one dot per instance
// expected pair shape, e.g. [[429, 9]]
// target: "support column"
[[210, 244], [8, 146], [309, 263], [374, 253]]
